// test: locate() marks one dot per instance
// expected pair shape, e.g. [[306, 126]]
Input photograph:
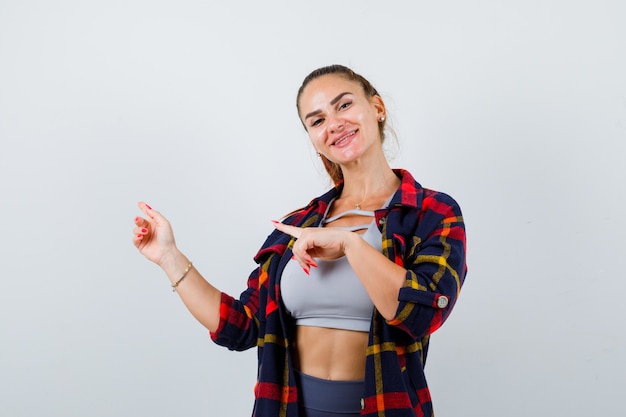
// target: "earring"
[[382, 119]]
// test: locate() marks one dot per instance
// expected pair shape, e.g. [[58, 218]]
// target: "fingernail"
[[144, 230], [275, 221], [137, 218], [140, 236], [306, 271], [148, 206], [313, 264]]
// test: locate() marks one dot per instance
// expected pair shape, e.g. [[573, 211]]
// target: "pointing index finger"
[[285, 228], [146, 209]]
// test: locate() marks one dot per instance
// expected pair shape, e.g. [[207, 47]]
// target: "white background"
[[515, 108]]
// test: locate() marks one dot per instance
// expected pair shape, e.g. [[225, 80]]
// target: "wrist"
[[172, 260], [351, 241]]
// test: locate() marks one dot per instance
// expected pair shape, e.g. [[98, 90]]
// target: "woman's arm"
[[435, 260], [381, 278], [154, 238], [415, 294]]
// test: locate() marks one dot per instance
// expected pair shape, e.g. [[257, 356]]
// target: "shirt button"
[[362, 404], [442, 301]]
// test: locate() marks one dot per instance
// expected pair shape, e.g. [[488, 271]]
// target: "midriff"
[[332, 354]]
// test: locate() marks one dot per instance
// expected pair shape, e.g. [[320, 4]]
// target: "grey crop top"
[[332, 295]]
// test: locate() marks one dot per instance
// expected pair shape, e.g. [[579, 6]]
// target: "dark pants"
[[324, 398]]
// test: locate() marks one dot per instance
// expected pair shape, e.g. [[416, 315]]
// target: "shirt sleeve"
[[241, 319], [244, 320], [435, 259]]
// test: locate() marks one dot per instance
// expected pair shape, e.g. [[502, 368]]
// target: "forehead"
[[325, 88]]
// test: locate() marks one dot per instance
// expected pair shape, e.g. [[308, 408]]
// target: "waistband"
[[341, 397]]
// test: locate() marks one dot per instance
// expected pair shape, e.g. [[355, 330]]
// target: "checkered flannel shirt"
[[423, 231]]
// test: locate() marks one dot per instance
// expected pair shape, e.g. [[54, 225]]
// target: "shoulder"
[[302, 217], [439, 202], [410, 189], [411, 195], [309, 215]]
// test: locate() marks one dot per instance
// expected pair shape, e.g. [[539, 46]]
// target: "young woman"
[[348, 288]]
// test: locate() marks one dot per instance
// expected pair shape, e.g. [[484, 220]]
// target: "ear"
[[379, 105]]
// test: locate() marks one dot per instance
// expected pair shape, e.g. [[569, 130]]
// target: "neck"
[[363, 185]]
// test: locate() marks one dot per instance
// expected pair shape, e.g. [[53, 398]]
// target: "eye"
[[316, 122], [345, 105]]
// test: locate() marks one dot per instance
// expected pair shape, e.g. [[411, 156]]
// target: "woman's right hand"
[[153, 235]]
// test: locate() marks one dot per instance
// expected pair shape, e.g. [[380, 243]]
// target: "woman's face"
[[341, 120]]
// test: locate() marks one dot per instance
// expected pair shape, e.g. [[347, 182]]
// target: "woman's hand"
[[316, 242], [153, 235]]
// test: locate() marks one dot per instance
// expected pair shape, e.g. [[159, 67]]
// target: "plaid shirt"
[[423, 231]]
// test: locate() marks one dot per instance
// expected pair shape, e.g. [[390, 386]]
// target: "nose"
[[336, 124]]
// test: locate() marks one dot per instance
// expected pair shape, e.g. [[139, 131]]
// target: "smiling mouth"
[[344, 138]]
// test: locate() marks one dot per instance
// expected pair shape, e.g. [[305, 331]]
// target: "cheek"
[[365, 119], [370, 123], [316, 139]]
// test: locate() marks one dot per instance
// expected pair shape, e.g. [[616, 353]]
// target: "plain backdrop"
[[515, 108]]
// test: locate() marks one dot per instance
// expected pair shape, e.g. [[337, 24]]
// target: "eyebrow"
[[333, 101]]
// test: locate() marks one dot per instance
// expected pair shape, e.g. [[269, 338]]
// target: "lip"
[[344, 138]]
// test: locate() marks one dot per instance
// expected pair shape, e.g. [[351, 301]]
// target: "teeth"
[[343, 139]]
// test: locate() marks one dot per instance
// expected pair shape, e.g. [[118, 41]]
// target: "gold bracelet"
[[182, 277]]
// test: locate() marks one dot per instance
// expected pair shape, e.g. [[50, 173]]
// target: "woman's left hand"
[[316, 242], [381, 277]]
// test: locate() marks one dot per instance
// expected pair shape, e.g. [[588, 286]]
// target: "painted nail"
[[148, 206], [306, 271], [144, 230], [140, 236]]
